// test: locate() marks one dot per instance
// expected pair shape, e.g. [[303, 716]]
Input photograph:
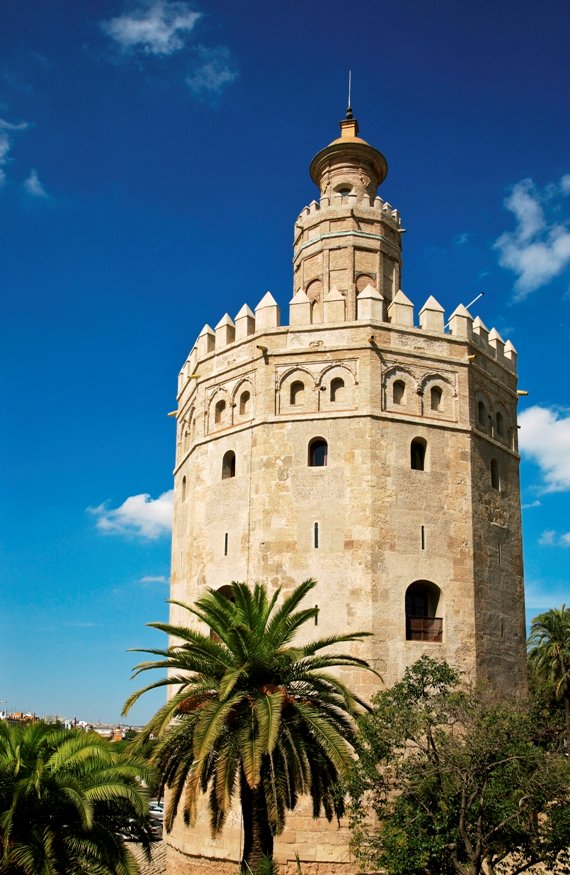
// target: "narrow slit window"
[[499, 552], [316, 536], [317, 615], [495, 475], [226, 544], [184, 488], [423, 538], [502, 628], [500, 424], [418, 454]]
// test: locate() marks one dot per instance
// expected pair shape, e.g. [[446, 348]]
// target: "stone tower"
[[358, 448]]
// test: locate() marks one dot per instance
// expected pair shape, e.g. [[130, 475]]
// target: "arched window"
[[422, 622], [482, 414], [244, 403], [337, 389], [418, 454], [435, 397], [318, 453], [500, 424], [315, 296], [398, 392], [229, 465], [297, 393], [219, 412], [184, 488], [495, 474]]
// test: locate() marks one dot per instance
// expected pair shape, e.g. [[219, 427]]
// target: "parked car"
[[157, 810]]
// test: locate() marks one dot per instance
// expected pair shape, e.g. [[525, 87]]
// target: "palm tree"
[[65, 799], [549, 654], [251, 713]]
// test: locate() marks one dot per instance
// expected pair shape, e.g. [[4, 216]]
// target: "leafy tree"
[[252, 713], [549, 654], [65, 800], [458, 783]]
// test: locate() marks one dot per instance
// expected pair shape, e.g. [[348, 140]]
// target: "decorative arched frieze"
[[219, 410], [297, 391], [243, 398], [400, 391], [438, 397], [337, 387]]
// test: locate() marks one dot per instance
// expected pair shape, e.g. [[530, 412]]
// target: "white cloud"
[[6, 144], [214, 71], [138, 515], [535, 251], [159, 578], [545, 438], [33, 185], [156, 28], [536, 503], [550, 538]]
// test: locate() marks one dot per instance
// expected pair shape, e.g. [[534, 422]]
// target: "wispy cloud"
[[138, 515], [537, 250], [151, 578], [6, 144], [80, 625], [545, 438], [159, 28], [212, 72], [33, 185], [536, 503], [550, 538]]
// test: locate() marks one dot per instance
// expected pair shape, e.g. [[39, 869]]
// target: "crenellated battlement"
[[371, 309], [371, 208]]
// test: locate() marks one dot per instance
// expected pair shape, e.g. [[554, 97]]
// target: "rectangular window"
[[423, 538], [316, 536], [317, 615], [226, 544]]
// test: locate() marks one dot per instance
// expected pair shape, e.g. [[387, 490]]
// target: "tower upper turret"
[[351, 239], [349, 164]]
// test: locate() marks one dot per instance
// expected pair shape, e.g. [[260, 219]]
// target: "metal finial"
[[349, 109]]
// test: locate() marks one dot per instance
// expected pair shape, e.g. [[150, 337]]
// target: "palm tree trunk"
[[257, 838]]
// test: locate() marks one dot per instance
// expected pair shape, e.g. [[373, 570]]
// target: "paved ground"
[[158, 864]]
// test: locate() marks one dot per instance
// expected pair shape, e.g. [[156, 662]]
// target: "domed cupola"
[[349, 164]]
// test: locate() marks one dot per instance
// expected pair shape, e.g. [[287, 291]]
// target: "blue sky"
[[153, 159]]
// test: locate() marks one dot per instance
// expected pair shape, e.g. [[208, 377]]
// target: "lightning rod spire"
[[349, 109]]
